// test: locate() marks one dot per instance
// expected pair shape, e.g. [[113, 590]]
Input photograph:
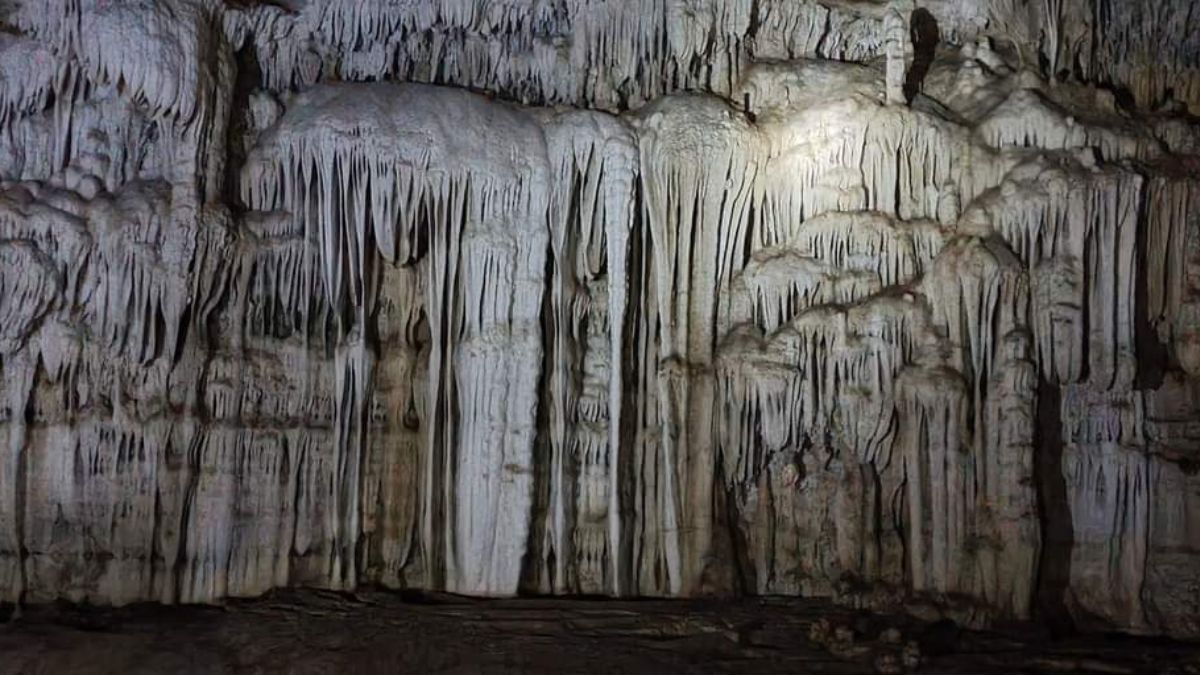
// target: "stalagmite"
[[892, 302]]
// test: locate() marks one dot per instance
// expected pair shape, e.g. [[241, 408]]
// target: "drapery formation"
[[697, 306]]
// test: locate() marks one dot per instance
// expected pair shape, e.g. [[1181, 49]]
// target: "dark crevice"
[[1054, 511], [925, 38]]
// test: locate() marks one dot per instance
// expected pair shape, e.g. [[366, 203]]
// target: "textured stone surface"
[[896, 303]]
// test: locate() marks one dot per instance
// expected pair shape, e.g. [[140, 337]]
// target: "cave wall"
[[894, 302]]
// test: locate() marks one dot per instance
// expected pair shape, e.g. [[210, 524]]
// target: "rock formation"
[[895, 302]]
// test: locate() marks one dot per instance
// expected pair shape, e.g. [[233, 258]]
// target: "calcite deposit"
[[890, 301]]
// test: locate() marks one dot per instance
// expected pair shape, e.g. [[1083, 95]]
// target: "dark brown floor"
[[316, 632]]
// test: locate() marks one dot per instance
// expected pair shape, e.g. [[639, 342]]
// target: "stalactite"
[[483, 285], [979, 293], [1073, 223], [1027, 119], [591, 219], [1172, 304], [698, 163]]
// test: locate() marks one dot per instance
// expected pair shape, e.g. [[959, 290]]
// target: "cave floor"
[[380, 632]]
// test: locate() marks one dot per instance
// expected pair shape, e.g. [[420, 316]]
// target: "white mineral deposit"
[[895, 302]]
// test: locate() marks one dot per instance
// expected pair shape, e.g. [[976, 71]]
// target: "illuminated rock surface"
[[896, 303]]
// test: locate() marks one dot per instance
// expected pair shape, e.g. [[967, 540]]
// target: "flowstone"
[[892, 302]]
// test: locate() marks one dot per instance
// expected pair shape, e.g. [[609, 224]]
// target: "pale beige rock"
[[697, 296]]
